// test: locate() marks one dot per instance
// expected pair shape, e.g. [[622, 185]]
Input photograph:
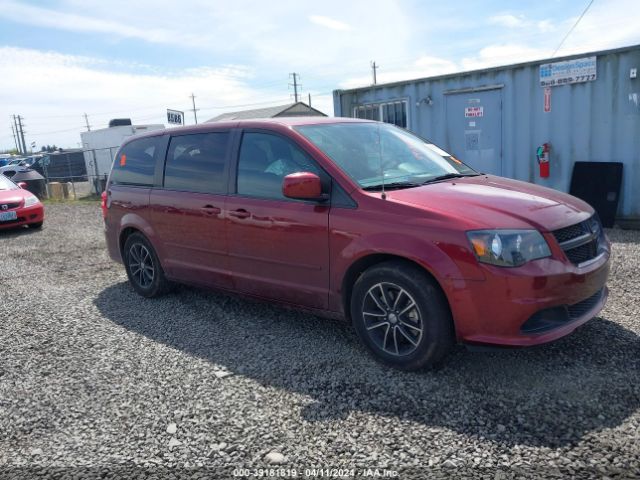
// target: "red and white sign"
[[547, 99], [472, 112]]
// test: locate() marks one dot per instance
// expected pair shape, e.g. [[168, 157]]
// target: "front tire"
[[402, 316], [143, 267], [36, 226]]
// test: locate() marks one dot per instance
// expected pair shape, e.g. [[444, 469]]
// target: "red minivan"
[[356, 219]]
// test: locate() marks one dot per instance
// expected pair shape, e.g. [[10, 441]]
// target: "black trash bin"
[[36, 183]]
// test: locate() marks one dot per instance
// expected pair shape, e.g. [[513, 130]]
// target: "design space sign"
[[175, 117], [572, 71], [473, 112]]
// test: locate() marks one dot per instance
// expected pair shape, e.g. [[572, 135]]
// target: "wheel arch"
[[132, 223], [357, 268], [126, 233]]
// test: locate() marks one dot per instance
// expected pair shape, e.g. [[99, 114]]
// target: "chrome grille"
[[583, 253], [571, 232]]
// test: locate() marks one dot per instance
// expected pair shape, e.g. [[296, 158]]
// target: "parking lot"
[[95, 379]]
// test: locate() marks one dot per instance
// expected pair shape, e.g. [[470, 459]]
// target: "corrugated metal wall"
[[592, 121]]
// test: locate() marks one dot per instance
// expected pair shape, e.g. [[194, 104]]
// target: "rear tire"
[[143, 267], [402, 316]]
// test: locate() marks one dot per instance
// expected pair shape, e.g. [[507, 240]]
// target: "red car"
[[18, 207], [356, 219]]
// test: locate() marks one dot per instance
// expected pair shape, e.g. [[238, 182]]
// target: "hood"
[[488, 201], [13, 196]]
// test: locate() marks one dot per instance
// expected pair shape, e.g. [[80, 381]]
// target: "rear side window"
[[197, 163], [135, 165]]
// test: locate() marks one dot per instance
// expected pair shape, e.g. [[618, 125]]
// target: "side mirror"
[[22, 185], [303, 186]]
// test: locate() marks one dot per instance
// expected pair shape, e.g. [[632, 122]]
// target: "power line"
[[149, 117], [572, 28], [221, 107], [75, 129]]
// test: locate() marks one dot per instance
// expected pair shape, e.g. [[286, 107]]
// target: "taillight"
[[103, 204]]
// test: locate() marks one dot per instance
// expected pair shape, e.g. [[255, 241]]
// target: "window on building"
[[368, 112], [135, 164], [265, 160], [388, 112], [196, 163]]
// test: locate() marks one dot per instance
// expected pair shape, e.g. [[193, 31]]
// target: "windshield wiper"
[[391, 186], [451, 175]]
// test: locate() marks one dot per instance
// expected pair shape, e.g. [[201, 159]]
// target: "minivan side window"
[[265, 160], [196, 163], [135, 164]]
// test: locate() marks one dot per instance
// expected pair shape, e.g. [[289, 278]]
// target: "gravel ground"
[[96, 381]]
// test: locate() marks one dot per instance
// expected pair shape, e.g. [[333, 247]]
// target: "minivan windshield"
[[6, 184], [373, 153]]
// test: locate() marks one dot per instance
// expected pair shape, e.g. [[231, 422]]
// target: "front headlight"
[[30, 201], [508, 248]]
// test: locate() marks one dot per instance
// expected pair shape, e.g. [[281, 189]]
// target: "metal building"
[[586, 107], [298, 109]]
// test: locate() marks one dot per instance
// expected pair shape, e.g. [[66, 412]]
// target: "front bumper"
[[26, 216], [537, 303]]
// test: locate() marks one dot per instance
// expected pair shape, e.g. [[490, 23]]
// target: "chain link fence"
[[76, 174]]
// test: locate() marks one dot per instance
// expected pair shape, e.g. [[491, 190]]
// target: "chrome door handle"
[[211, 210], [240, 213]]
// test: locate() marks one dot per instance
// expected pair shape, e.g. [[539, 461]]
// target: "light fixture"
[[426, 100]]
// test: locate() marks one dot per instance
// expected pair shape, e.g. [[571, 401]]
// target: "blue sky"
[[62, 58]]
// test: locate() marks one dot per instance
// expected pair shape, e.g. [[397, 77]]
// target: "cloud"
[[522, 23], [260, 32], [508, 20], [328, 22], [424, 66], [44, 17], [502, 54], [241, 52], [606, 25], [53, 97]]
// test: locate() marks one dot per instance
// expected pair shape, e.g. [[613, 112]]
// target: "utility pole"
[[194, 110], [309, 99], [15, 139], [295, 85], [15, 127], [374, 67], [86, 119], [21, 133]]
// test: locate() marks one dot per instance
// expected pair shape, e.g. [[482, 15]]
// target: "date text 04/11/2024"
[[315, 473]]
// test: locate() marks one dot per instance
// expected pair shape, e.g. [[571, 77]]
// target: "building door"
[[474, 129]]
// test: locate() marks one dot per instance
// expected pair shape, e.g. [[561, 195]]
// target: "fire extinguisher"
[[542, 154]]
